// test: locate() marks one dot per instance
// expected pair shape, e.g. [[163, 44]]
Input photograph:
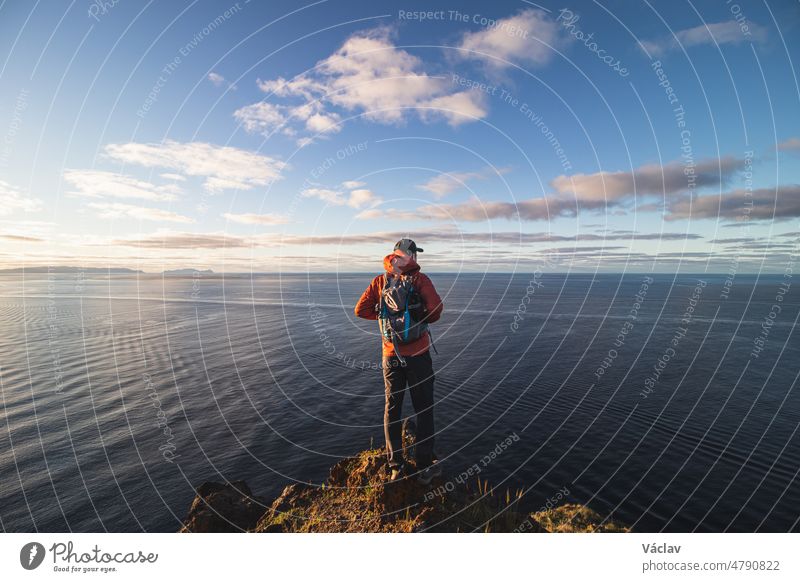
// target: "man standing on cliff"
[[404, 301]]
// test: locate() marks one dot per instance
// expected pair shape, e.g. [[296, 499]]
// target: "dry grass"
[[573, 518], [358, 498]]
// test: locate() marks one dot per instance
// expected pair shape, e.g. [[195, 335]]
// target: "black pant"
[[418, 374]]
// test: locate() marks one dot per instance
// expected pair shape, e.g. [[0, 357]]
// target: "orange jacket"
[[366, 307]]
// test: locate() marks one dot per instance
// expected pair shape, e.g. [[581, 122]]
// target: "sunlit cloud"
[[223, 167], [367, 75], [527, 38], [248, 218], [102, 184], [362, 197], [260, 117], [358, 198], [13, 199], [174, 177], [602, 188]]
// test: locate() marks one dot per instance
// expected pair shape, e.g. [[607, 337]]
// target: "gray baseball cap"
[[408, 246]]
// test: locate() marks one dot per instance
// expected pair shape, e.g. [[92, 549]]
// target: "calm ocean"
[[664, 400]]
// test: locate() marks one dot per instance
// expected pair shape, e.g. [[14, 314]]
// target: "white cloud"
[[119, 210], [216, 185], [175, 177], [12, 199], [326, 195], [358, 198], [725, 32], [368, 74], [444, 184], [319, 123], [218, 81], [260, 117], [362, 197], [521, 39], [457, 108], [370, 214], [102, 184], [224, 167], [301, 85], [352, 184], [269, 218], [268, 118]]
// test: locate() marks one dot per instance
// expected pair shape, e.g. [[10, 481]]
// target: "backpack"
[[400, 311]]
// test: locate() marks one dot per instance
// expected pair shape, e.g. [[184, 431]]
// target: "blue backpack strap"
[[406, 315]]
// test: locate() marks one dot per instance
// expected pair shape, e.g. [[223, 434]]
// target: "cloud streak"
[[223, 167], [443, 184], [791, 144], [600, 191], [725, 32], [102, 184], [778, 203], [184, 240]]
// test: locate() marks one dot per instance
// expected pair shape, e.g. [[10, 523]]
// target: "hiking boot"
[[430, 473], [397, 474]]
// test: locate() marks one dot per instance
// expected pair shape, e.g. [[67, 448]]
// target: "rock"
[[220, 507], [339, 473], [357, 497], [284, 512]]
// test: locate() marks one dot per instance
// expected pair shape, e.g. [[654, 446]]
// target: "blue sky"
[[502, 136]]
